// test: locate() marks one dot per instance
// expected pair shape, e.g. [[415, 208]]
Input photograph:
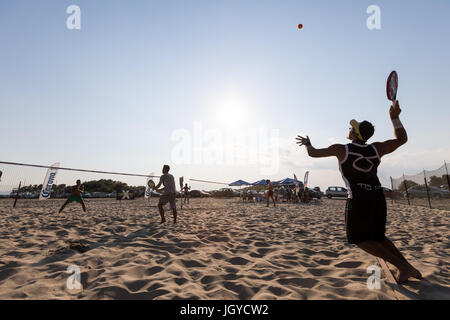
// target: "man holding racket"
[[169, 194], [365, 213], [76, 195]]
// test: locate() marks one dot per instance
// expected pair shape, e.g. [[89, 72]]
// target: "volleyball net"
[[31, 181], [428, 188]]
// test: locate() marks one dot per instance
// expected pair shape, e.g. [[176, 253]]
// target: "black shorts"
[[168, 198], [365, 219]]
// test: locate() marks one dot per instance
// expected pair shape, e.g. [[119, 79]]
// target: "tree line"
[[434, 181], [102, 185]]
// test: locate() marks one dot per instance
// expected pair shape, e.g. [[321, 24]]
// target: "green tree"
[[409, 184], [436, 181]]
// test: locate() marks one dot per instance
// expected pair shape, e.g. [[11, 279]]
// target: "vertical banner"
[[48, 182], [148, 187], [305, 180], [297, 187]]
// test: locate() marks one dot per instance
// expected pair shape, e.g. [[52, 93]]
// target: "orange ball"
[[300, 26]]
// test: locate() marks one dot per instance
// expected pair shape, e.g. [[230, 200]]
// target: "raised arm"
[[336, 150], [401, 137]]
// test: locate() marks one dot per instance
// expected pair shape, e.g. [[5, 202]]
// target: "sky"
[[147, 83]]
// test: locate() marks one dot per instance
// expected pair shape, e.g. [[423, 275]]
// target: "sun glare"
[[232, 114]]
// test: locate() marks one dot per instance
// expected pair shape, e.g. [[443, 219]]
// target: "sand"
[[220, 249]]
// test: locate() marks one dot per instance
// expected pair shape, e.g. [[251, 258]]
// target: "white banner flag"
[[48, 182], [148, 187], [305, 181]]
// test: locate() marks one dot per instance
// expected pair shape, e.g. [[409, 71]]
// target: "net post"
[[406, 189], [447, 176], [392, 188], [17, 194], [426, 187]]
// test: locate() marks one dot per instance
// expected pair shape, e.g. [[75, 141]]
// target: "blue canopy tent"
[[289, 181], [261, 182], [239, 183]]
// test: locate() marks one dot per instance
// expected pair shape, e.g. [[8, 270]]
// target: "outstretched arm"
[[401, 137], [156, 188], [336, 150]]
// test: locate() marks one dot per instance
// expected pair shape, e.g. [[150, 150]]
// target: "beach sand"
[[220, 249]]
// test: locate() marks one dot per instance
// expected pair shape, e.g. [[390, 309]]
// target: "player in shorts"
[[169, 194], [186, 193], [365, 212], [76, 196], [270, 193]]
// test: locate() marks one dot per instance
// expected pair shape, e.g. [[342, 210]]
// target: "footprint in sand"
[[137, 285], [218, 256], [180, 281], [261, 244], [238, 261], [153, 270], [279, 292], [329, 254], [244, 293], [192, 264], [210, 279], [349, 264], [299, 282], [218, 239]]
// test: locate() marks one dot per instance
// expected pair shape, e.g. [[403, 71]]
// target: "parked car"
[[318, 190], [421, 192], [198, 194], [314, 193], [387, 192], [336, 192], [99, 195]]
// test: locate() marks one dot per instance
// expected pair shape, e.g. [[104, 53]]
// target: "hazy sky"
[[115, 94]]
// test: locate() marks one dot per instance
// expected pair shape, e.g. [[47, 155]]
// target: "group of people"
[[168, 194], [274, 194]]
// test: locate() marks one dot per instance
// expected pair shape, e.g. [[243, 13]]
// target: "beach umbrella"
[[289, 181], [261, 182], [239, 183]]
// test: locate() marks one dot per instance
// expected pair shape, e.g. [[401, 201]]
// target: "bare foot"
[[404, 275], [417, 274]]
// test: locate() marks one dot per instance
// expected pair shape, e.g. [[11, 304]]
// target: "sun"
[[232, 113]]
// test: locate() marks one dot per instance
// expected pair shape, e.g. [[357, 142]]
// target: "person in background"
[[169, 193], [76, 195], [186, 193], [270, 193]]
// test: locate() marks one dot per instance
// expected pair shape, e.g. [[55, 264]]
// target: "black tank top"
[[359, 170]]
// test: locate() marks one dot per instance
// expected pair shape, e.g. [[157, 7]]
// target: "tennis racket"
[[392, 86], [151, 184]]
